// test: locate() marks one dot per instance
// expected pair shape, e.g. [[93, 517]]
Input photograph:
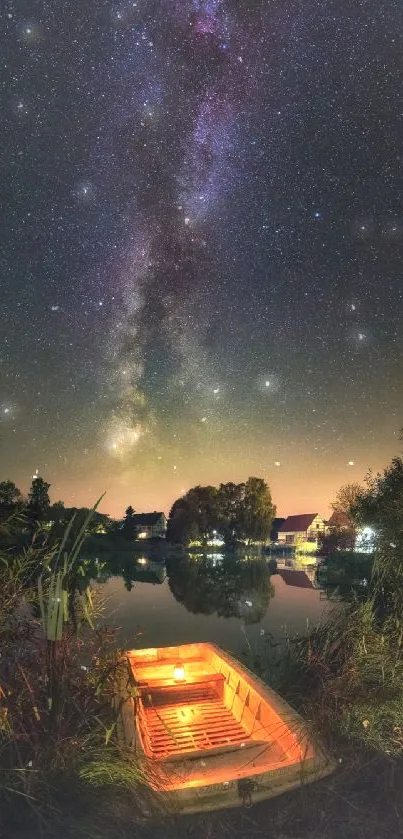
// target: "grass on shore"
[[62, 772]]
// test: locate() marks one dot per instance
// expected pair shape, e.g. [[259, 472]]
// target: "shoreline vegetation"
[[62, 771]]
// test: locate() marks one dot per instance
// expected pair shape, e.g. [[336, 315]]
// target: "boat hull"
[[197, 768]]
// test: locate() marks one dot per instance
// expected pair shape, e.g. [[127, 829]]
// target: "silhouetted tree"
[[9, 493], [380, 506], [344, 503], [257, 511], [182, 526], [237, 511], [129, 529], [38, 498]]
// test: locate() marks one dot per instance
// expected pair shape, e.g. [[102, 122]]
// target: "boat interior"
[[194, 702]]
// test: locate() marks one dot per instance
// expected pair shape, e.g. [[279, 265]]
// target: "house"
[[150, 524], [303, 528], [275, 526]]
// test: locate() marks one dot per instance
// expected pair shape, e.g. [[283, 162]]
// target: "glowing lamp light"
[[179, 673]]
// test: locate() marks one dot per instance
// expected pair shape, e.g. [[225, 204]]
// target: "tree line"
[[237, 512]]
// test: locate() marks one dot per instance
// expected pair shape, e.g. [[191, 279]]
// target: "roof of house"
[[147, 519], [295, 578], [276, 523], [296, 524]]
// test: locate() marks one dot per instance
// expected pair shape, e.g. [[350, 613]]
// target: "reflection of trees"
[[231, 588], [126, 566]]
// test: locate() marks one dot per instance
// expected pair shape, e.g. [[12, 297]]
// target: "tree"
[[257, 511], [38, 498], [342, 527], [57, 511], [9, 494], [129, 529], [204, 508], [230, 501], [182, 526], [380, 507], [345, 501]]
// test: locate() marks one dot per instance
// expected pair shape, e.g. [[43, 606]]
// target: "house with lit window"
[[149, 525], [305, 527]]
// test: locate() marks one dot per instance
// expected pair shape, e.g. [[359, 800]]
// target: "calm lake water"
[[208, 599]]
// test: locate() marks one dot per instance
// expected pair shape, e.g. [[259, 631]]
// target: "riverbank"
[[73, 781], [63, 771]]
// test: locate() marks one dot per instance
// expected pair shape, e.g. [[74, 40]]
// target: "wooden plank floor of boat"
[[196, 722]]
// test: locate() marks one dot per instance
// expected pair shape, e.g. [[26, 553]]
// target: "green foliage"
[[237, 511], [256, 511], [56, 720], [346, 568], [381, 507], [347, 675]]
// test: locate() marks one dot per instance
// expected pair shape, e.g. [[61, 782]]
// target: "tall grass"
[[57, 676]]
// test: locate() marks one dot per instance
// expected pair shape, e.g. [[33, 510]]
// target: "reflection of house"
[[298, 579], [149, 524], [303, 528]]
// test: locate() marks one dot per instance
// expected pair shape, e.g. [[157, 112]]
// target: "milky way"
[[184, 165], [201, 246]]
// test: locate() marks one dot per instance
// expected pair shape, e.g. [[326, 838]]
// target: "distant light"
[[179, 672], [277, 463], [351, 462], [267, 383], [216, 390], [204, 419], [142, 560], [187, 220], [6, 410]]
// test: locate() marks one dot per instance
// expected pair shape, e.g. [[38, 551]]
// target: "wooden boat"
[[209, 733]]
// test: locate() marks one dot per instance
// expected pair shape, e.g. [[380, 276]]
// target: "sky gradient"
[[201, 250]]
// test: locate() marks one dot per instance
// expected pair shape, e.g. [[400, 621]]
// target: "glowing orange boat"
[[211, 734]]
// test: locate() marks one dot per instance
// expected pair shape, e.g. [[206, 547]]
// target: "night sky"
[[201, 246]]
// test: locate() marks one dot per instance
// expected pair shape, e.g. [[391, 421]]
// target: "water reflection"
[[223, 585]]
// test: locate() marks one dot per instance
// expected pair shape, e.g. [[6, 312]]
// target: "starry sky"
[[201, 246]]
